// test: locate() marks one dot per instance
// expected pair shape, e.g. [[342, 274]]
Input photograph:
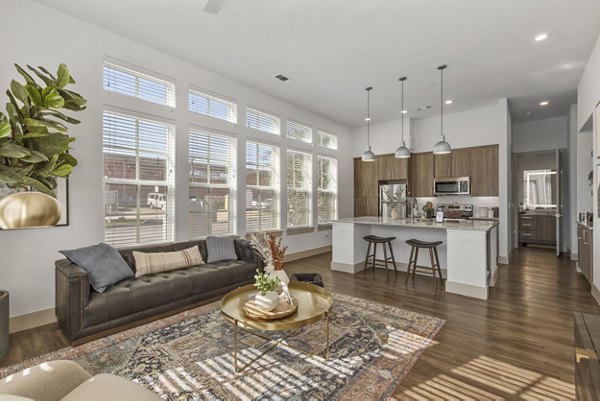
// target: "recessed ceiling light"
[[282, 78], [541, 36], [528, 113], [404, 111], [449, 101], [544, 103], [367, 119]]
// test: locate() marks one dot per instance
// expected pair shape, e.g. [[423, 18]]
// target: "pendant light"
[[402, 152], [442, 147], [368, 155]]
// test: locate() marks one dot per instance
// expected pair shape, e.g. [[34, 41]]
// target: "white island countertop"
[[472, 225]]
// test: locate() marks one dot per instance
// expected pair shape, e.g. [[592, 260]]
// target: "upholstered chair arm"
[[72, 295]]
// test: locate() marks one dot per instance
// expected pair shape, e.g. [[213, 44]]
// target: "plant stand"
[[4, 312]]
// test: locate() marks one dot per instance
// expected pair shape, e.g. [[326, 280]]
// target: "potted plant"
[[393, 201], [267, 298], [34, 145]]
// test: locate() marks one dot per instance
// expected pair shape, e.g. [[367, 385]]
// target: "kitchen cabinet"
[[484, 170], [587, 356], [537, 229], [366, 206], [390, 168], [585, 250], [461, 162], [442, 166], [421, 175], [365, 179]]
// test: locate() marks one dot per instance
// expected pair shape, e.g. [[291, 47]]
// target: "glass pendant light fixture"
[[402, 152], [442, 147], [368, 155]]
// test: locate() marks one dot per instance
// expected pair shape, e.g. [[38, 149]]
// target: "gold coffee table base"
[[314, 305]]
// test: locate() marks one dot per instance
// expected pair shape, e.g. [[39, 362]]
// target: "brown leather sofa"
[[82, 312]]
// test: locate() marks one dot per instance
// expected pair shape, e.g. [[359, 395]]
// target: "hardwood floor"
[[516, 345]]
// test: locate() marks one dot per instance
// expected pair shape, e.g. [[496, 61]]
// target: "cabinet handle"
[[585, 241], [525, 225], [526, 234]]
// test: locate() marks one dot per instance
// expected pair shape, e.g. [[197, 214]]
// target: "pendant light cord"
[[369, 115], [402, 111], [442, 101]]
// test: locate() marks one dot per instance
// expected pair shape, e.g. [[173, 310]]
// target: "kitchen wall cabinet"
[[365, 179], [442, 166], [421, 175], [366, 206], [585, 251], [461, 162], [484, 170], [537, 229], [390, 168]]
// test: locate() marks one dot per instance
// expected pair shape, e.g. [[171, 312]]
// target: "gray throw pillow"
[[104, 265], [220, 248]]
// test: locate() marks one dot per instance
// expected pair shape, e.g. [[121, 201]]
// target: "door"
[[559, 203]]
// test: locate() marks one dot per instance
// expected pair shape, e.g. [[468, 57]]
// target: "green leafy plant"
[[264, 282], [34, 143]]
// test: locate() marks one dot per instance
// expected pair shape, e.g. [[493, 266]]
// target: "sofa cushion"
[[158, 262], [103, 263], [105, 387], [220, 248]]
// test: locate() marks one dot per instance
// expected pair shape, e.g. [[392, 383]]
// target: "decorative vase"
[[281, 275], [267, 302], [29, 209], [395, 214]]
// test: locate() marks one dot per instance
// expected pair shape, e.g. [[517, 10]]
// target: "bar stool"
[[374, 240], [415, 245]]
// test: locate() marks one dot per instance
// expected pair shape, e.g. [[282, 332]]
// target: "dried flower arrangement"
[[270, 249]]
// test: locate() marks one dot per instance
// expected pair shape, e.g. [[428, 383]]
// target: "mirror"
[[539, 189]]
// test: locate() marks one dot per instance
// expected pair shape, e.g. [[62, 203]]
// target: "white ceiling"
[[332, 49]]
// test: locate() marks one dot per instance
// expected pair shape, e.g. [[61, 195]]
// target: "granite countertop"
[[473, 225]]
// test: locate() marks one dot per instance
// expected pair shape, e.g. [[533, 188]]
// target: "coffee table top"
[[314, 303]]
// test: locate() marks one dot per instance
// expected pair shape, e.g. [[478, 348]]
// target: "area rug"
[[189, 356]]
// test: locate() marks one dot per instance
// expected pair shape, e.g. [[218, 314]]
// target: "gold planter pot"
[[29, 209]]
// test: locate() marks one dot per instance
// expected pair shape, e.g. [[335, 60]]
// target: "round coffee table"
[[314, 305]]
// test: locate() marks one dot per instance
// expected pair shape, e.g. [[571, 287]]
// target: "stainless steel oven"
[[451, 186]]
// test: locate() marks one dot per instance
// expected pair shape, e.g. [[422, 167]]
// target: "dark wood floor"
[[516, 345]]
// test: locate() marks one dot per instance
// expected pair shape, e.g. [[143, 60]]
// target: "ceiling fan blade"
[[214, 6]]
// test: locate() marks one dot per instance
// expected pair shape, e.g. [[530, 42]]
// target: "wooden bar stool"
[[415, 245], [374, 240]]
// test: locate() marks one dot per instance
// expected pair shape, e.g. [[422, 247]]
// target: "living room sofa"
[[83, 312]]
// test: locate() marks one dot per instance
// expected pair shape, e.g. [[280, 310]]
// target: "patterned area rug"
[[189, 356]]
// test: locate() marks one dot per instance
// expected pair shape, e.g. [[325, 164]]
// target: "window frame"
[[210, 97], [308, 189], [290, 123], [334, 191], [258, 111], [321, 134]]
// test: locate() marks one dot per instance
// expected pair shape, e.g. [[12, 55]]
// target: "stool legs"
[[372, 261], [393, 259], [437, 262], [367, 258], [435, 265]]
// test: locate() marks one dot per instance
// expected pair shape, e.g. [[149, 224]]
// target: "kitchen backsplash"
[[477, 202]]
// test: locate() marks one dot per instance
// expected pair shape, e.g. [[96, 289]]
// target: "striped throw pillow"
[[157, 262], [220, 248]]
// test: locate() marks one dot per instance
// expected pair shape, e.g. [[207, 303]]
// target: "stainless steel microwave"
[[452, 186]]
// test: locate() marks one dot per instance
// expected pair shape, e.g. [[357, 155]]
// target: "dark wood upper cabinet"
[[421, 174], [461, 162], [442, 165], [484, 170], [390, 168], [365, 179]]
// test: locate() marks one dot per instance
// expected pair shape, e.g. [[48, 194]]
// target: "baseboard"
[[467, 290], [31, 320], [346, 267], [503, 260], [574, 257], [596, 293], [307, 253]]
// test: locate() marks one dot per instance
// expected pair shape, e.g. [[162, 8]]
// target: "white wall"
[[584, 167], [28, 256], [588, 91], [385, 137], [538, 135], [572, 181]]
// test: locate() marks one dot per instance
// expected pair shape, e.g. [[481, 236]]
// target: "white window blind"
[[212, 184], [327, 196], [326, 140], [138, 180], [263, 121], [126, 81], [262, 185], [299, 189], [299, 131], [212, 106]]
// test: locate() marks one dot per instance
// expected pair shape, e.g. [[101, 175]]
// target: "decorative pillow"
[[220, 248], [104, 265], [157, 262]]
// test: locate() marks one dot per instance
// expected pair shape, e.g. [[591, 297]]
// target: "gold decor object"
[[29, 209], [284, 309]]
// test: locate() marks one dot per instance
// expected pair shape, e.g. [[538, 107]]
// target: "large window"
[[212, 106], [138, 180], [262, 185], [327, 197], [299, 131], [299, 189], [212, 184], [129, 82], [262, 121], [326, 140]]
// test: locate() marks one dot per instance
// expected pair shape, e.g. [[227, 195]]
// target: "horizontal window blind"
[[212, 184], [299, 131], [299, 189], [262, 121], [138, 180], [262, 187], [326, 140], [327, 190], [126, 81], [212, 106]]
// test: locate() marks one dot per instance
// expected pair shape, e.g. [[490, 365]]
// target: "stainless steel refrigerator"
[[391, 192]]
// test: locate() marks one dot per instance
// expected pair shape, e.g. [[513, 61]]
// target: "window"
[[212, 106], [262, 184], [262, 121], [138, 180], [327, 197], [129, 82], [212, 184], [299, 132], [299, 189], [327, 140]]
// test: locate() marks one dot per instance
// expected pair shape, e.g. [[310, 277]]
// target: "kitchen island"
[[468, 255]]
